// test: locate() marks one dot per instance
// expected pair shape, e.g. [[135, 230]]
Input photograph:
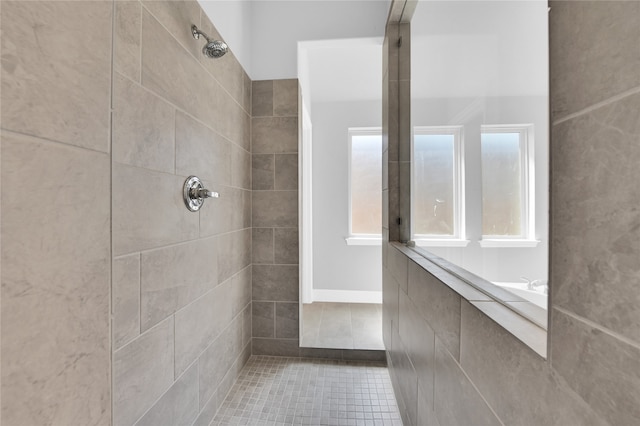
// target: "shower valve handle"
[[204, 193], [194, 193]]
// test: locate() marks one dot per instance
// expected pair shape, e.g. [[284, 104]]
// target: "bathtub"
[[536, 296]]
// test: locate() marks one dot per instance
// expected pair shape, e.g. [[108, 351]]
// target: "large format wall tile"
[[142, 372], [262, 98], [263, 171], [437, 304], [390, 289], [262, 245], [594, 267], [419, 339], [143, 130], [230, 212], [174, 74], [407, 380], [227, 70], [612, 385], [174, 276], [239, 291], [179, 406], [177, 16], [397, 264], [218, 359], [263, 319], [275, 282], [126, 39], [202, 152], [240, 168], [285, 245], [275, 209], [148, 210], [286, 171], [275, 347], [235, 253], [285, 98], [274, 135], [457, 402], [55, 282], [594, 52], [287, 320], [199, 323], [56, 70], [492, 357], [125, 296]]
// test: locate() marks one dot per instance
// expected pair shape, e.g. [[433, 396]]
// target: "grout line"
[[198, 61], [111, 257], [599, 327], [598, 105], [183, 111], [185, 242]]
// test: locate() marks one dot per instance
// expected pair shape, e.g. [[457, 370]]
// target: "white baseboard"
[[347, 296]]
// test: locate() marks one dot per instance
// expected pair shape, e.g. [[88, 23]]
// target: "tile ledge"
[[501, 312]]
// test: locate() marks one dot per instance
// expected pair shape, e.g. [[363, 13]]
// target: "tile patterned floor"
[[297, 391], [342, 326]]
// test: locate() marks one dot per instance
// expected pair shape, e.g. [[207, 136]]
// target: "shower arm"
[[197, 33]]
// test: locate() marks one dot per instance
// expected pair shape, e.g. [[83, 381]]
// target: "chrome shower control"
[[194, 193]]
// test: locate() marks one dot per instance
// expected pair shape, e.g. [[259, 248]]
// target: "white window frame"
[[527, 181], [458, 239], [360, 239]]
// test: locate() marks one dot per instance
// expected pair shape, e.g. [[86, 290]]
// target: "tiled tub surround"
[[450, 363], [298, 391], [181, 285]]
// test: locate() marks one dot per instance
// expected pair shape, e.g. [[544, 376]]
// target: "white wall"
[[278, 26], [336, 265], [264, 35], [232, 19]]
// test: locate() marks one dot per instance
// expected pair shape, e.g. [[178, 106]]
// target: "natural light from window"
[[437, 183], [365, 163]]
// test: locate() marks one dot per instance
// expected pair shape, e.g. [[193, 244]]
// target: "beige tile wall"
[[182, 280], [450, 363], [107, 106], [55, 343], [274, 148]]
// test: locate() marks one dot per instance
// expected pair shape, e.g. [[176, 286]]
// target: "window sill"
[[508, 243], [363, 241], [439, 242]]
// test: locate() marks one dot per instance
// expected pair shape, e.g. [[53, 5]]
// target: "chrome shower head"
[[213, 48]]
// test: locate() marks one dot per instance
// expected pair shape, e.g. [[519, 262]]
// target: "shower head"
[[213, 48]]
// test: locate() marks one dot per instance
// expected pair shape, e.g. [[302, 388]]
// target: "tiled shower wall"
[[181, 280], [274, 150], [451, 364], [56, 79], [107, 107]]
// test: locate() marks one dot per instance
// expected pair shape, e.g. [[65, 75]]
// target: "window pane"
[[501, 184], [366, 184], [434, 178]]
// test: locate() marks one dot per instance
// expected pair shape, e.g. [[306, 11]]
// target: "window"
[[507, 182], [437, 186], [365, 189]]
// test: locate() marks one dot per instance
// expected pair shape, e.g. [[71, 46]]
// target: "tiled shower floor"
[[299, 391]]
